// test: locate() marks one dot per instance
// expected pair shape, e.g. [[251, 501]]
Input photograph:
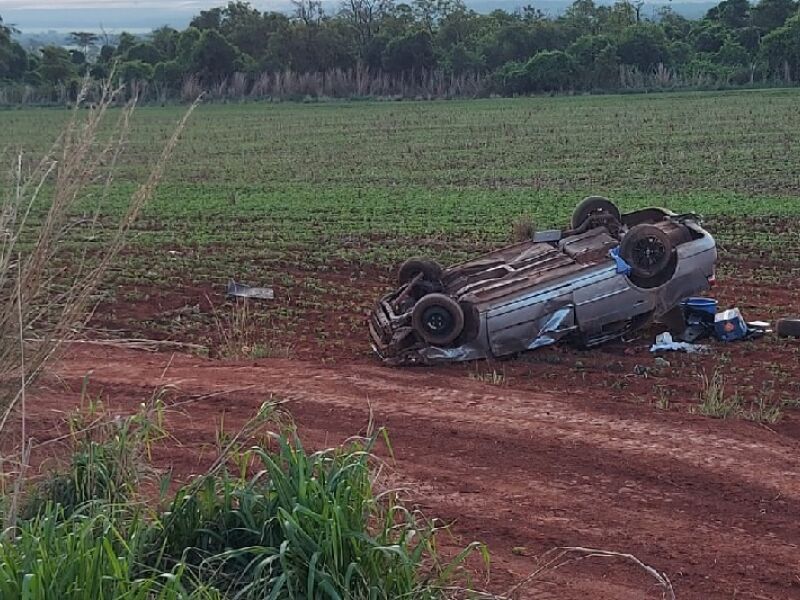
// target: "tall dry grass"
[[42, 305]]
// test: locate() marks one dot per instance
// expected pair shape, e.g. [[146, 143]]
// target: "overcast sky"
[[140, 16], [38, 15], [143, 4]]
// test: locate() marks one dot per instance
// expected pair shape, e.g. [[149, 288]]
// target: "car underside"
[[606, 275]]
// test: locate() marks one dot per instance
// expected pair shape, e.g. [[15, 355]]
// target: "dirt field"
[[712, 503], [558, 447]]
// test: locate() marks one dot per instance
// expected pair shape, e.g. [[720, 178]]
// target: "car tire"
[[788, 327], [648, 250], [430, 269], [472, 323], [594, 206], [437, 319]]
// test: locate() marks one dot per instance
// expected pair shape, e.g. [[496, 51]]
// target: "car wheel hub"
[[649, 252], [437, 320]]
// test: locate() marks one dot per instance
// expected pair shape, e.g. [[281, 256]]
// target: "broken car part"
[[240, 290]]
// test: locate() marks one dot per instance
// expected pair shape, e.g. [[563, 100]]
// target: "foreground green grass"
[[273, 521]]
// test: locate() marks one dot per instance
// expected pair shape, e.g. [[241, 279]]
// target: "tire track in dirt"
[[712, 503]]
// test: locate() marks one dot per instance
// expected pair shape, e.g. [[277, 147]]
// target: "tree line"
[[433, 47]]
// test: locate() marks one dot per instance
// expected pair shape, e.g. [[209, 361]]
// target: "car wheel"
[[647, 249], [430, 269], [788, 327], [437, 319], [594, 206]]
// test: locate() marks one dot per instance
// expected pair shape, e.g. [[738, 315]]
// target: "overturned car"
[[605, 276]]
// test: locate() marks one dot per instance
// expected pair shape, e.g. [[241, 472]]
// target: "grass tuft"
[[714, 402], [523, 228]]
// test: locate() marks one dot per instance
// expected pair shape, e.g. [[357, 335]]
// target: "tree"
[[77, 57], [13, 58], [165, 40], [749, 38], [169, 74], [460, 59], [364, 18], [187, 41], [6, 31], [125, 43], [709, 37], [462, 27], [770, 14], [107, 54], [618, 18], [519, 41], [731, 13], [144, 52], [429, 13], [781, 48], [643, 46], [214, 57], [84, 40], [135, 70], [247, 29], [732, 53], [595, 58], [309, 12], [55, 65], [583, 17], [675, 26], [411, 52], [207, 19]]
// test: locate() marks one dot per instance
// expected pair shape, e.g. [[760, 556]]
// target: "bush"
[[511, 79], [546, 71], [550, 70]]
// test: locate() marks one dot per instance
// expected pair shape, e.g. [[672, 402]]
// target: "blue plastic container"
[[704, 305]]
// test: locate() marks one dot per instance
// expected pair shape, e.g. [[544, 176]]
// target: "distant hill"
[[141, 20]]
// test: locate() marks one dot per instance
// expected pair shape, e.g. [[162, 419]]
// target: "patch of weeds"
[[523, 228], [713, 400], [663, 401], [492, 377], [764, 412], [791, 403], [264, 351]]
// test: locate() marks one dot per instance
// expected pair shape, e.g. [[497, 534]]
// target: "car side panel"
[[541, 316], [610, 300]]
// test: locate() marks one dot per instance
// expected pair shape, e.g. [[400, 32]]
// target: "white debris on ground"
[[665, 343]]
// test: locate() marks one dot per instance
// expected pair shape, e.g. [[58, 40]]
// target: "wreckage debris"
[[665, 343], [788, 327], [703, 321], [240, 290]]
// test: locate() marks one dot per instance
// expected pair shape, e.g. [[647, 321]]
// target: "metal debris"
[[240, 290]]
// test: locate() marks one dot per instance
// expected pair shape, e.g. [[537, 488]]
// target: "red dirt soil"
[[523, 467]]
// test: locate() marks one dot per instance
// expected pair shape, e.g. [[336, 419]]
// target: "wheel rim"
[[437, 320], [649, 252]]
